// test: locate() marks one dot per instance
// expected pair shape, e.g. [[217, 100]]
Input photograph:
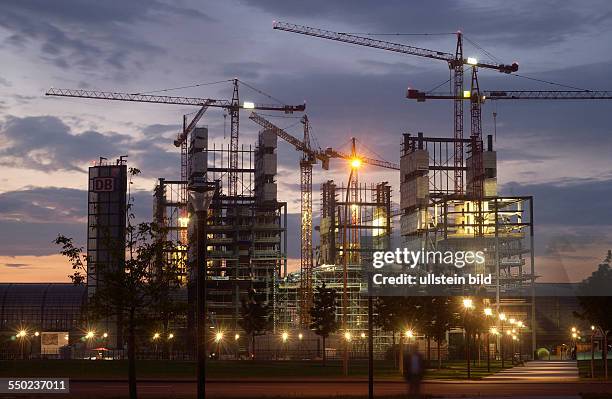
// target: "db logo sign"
[[103, 184]]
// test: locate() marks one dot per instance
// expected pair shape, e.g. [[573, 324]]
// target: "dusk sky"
[[559, 152]]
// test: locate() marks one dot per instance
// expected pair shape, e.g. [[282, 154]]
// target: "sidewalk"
[[545, 371]]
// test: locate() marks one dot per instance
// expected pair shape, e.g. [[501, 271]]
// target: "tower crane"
[[455, 63], [233, 106], [309, 158]]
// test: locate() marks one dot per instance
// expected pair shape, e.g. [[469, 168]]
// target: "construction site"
[[445, 184]]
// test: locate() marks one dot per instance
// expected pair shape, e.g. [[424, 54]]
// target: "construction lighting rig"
[[309, 158], [455, 62]]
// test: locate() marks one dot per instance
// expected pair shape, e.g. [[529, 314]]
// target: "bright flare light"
[[502, 316], [300, 336], [22, 333], [355, 163], [183, 221], [493, 330], [472, 61], [170, 336], [218, 336], [156, 336], [409, 334], [468, 303], [237, 337], [574, 335], [573, 329], [467, 94], [36, 334], [90, 334], [248, 105], [105, 335], [363, 335], [285, 336], [488, 312], [347, 336]]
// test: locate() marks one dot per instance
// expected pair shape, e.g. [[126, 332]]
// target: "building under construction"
[[355, 222], [437, 217], [246, 244]]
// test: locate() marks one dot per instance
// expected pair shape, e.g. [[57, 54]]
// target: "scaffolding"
[[246, 232], [363, 222], [436, 218]]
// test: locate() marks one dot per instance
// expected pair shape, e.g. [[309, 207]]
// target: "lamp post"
[[502, 318], [592, 351], [21, 335], [488, 312], [155, 340], [218, 339], [468, 305], [200, 197]]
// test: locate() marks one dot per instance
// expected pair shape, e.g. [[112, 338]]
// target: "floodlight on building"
[[285, 336], [493, 331], [183, 221], [363, 335], [236, 337], [90, 334], [502, 316], [248, 105], [468, 303], [512, 320], [488, 312], [409, 334], [472, 60], [218, 336], [348, 336]]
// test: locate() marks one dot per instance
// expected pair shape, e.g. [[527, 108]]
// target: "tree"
[[255, 317], [323, 313], [594, 299], [130, 283], [441, 313]]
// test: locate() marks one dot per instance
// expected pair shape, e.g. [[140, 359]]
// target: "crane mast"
[[309, 158], [455, 62]]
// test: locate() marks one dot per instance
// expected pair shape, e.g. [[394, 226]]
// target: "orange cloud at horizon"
[[34, 269]]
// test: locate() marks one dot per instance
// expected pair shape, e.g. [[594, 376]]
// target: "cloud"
[[48, 144], [44, 205], [32, 217], [16, 265], [88, 33], [522, 22], [575, 202]]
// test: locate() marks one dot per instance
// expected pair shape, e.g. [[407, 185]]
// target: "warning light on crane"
[[472, 61], [248, 105], [355, 163]]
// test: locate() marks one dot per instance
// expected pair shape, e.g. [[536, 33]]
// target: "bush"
[[542, 354]]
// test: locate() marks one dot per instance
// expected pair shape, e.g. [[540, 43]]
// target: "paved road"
[[250, 389], [539, 371]]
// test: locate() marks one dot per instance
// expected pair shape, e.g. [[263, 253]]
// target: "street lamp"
[[502, 318], [218, 339], [488, 312], [468, 304]]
